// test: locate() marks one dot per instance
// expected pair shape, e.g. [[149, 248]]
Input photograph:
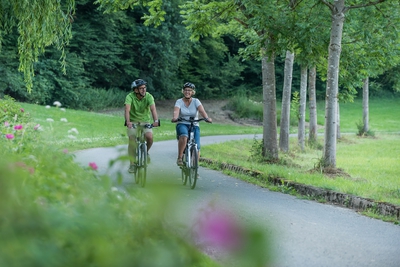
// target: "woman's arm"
[[203, 113]]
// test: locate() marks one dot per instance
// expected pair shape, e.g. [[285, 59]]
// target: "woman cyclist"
[[187, 107]]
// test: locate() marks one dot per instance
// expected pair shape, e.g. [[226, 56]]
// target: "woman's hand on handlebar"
[[209, 120], [174, 119]]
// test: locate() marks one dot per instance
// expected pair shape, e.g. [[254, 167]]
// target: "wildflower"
[[26, 167], [37, 127], [49, 119], [6, 124], [65, 151], [22, 110], [57, 104], [73, 130], [64, 120], [70, 136], [221, 229], [62, 109], [47, 106], [93, 165], [18, 127], [10, 136]]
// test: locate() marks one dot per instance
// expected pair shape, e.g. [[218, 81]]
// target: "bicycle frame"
[[190, 158], [141, 153]]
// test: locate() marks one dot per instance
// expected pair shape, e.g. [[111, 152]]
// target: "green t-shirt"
[[140, 109]]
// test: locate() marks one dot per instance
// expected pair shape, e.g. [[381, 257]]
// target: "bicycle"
[[189, 170], [140, 172]]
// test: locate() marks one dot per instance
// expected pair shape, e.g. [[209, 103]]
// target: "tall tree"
[[338, 10], [302, 108], [312, 103], [286, 98], [365, 105], [39, 23]]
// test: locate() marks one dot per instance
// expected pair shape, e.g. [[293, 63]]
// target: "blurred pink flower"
[[37, 126], [18, 127], [6, 124], [219, 228], [9, 136], [65, 151], [24, 166], [22, 110], [93, 165]]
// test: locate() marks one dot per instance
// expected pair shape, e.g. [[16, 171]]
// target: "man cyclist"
[[139, 105]]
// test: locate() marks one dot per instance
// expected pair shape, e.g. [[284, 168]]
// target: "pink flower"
[[22, 110], [93, 165], [66, 152], [9, 136], [6, 124], [18, 127], [219, 228], [26, 167], [37, 126]]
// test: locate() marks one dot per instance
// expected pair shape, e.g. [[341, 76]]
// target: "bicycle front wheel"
[[142, 166], [193, 167]]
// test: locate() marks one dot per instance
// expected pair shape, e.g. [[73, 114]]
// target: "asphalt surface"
[[303, 233]]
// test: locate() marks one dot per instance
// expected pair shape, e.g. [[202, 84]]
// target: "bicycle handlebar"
[[193, 120], [144, 125]]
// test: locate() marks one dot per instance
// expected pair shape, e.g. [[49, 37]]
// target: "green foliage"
[[39, 24], [361, 132], [245, 108], [256, 151], [11, 111], [295, 112]]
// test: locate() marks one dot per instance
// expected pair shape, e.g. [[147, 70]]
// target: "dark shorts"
[[183, 130]]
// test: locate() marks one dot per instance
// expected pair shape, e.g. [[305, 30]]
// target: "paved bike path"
[[305, 233]]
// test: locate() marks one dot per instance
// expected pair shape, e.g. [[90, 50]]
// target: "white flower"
[[73, 130], [72, 136], [32, 157], [57, 104], [64, 120], [47, 106], [62, 109], [49, 119]]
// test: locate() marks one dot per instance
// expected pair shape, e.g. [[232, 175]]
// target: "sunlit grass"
[[104, 130], [373, 165]]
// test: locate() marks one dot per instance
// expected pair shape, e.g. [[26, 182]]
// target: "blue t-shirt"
[[188, 111]]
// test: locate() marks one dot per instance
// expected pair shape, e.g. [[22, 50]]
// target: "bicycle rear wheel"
[[193, 167], [142, 166]]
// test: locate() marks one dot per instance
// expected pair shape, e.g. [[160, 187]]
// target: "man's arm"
[[154, 114], [128, 116]]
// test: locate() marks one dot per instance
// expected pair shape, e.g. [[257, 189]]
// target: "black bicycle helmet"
[[137, 83], [190, 85]]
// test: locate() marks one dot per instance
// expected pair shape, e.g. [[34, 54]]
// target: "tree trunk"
[[332, 83], [302, 108], [270, 146], [366, 105], [286, 97], [338, 136], [312, 76]]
